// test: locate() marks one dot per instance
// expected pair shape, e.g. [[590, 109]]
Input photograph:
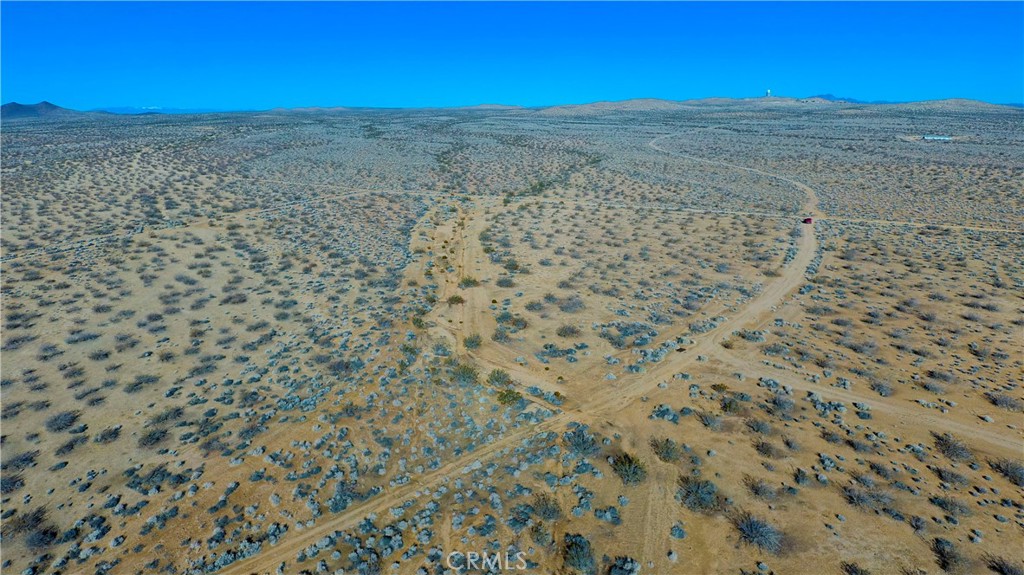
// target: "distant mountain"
[[14, 110], [832, 98], [310, 110], [134, 111]]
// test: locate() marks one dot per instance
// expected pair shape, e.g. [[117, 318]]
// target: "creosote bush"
[[666, 449], [758, 532], [630, 470], [580, 442], [1010, 469], [62, 421], [509, 397], [948, 556], [546, 507], [699, 495], [952, 447], [578, 554]]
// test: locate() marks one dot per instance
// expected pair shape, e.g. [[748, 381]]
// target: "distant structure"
[[768, 93], [936, 138]]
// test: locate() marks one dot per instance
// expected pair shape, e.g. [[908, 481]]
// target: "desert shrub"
[[759, 488], [70, 445], [953, 507], [758, 532], [235, 298], [1004, 401], [865, 498], [781, 404], [465, 374], [918, 523], [139, 382], [948, 556], [501, 335], [1012, 470], [853, 569], [699, 495], [666, 449], [509, 397], [62, 421], [1002, 566], [21, 461], [883, 389], [758, 426], [499, 377], [950, 476], [456, 300], [547, 507], [731, 405], [509, 319], [42, 537], [859, 446], [568, 331], [108, 435], [768, 450], [541, 535], [710, 420], [79, 336], [571, 304], [630, 469], [24, 522], [11, 482], [578, 554], [468, 282], [473, 341], [506, 282], [623, 565], [942, 376], [952, 447], [152, 437], [169, 414], [580, 442]]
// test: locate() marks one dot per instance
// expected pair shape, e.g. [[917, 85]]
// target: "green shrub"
[[630, 470]]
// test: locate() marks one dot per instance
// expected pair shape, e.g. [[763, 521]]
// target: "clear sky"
[[243, 56]]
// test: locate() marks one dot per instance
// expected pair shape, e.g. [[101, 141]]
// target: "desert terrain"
[[724, 336]]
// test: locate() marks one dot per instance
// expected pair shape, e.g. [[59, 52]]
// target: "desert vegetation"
[[310, 342]]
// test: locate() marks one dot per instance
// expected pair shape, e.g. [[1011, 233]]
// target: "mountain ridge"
[[46, 109]]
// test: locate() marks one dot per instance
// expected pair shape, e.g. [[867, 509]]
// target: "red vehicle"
[[808, 220]]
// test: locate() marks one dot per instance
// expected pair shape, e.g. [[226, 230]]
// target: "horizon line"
[[173, 110]]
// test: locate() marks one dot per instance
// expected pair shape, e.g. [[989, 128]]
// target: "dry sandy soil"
[[344, 341]]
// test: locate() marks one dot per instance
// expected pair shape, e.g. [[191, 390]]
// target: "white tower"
[[768, 93]]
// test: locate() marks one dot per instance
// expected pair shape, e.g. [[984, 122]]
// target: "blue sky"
[[244, 56]]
